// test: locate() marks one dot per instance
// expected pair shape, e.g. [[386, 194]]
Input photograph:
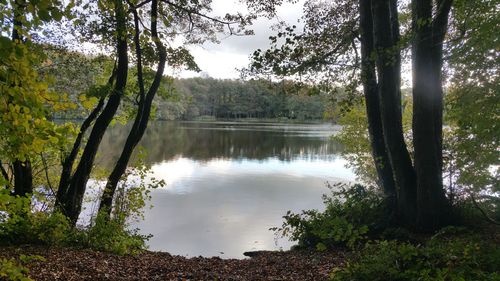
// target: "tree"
[[73, 196], [372, 102], [26, 98], [144, 104], [168, 20], [414, 190], [427, 62]]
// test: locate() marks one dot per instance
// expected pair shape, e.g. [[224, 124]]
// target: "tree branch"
[[483, 212], [46, 169], [138, 53], [140, 4], [4, 173], [191, 12], [161, 50], [440, 21]]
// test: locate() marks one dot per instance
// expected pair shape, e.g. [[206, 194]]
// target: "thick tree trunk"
[[370, 89], [388, 57], [143, 112], [428, 113], [67, 165], [23, 174], [72, 202], [23, 177]]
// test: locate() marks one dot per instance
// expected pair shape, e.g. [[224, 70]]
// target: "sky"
[[222, 60]]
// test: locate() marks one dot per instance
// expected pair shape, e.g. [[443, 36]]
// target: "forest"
[[411, 88], [210, 99], [198, 97]]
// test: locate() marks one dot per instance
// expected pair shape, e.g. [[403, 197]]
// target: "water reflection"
[[228, 140], [228, 183], [225, 206]]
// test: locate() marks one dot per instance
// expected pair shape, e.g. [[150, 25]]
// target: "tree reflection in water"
[[204, 141]]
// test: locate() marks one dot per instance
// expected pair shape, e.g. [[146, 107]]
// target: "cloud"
[[221, 60], [215, 63]]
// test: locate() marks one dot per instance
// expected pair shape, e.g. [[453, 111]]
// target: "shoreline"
[[85, 264]]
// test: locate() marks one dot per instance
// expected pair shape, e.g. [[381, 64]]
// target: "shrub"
[[111, 236], [351, 213], [19, 225], [10, 269], [446, 256]]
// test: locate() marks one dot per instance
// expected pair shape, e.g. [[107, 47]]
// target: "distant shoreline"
[[242, 120]]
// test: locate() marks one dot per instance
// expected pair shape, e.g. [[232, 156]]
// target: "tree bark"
[[5, 175], [69, 160], [388, 58], [67, 165], [428, 112], [144, 110], [17, 23], [372, 101], [23, 174], [23, 177], [72, 202]]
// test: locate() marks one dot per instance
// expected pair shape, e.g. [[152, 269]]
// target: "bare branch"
[[138, 53], [191, 12], [483, 212], [4, 173], [46, 169]]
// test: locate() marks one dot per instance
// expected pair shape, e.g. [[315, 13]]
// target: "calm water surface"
[[229, 182]]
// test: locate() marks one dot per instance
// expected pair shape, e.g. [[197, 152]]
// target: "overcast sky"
[[221, 60]]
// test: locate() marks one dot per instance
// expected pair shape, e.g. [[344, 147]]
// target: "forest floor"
[[74, 264]]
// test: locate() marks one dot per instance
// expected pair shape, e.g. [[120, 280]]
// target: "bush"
[[448, 255], [111, 236], [19, 225], [351, 214], [10, 269]]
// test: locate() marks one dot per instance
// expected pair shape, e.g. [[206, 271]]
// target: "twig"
[[483, 212], [4, 173], [45, 167]]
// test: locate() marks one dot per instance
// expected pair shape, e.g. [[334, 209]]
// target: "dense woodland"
[[197, 97], [426, 206], [209, 99]]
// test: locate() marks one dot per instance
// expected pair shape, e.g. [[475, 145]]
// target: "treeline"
[[207, 97], [80, 77]]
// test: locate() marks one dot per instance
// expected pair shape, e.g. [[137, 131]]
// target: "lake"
[[229, 182]]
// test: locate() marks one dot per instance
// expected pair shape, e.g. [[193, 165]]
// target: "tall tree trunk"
[[69, 160], [143, 112], [388, 57], [372, 101], [23, 177], [23, 174], [72, 202], [67, 165], [428, 111]]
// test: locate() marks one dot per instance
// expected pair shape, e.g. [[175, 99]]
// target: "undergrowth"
[[19, 226], [354, 218], [445, 256]]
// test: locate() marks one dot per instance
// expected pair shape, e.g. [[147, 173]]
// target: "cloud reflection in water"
[[228, 206]]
